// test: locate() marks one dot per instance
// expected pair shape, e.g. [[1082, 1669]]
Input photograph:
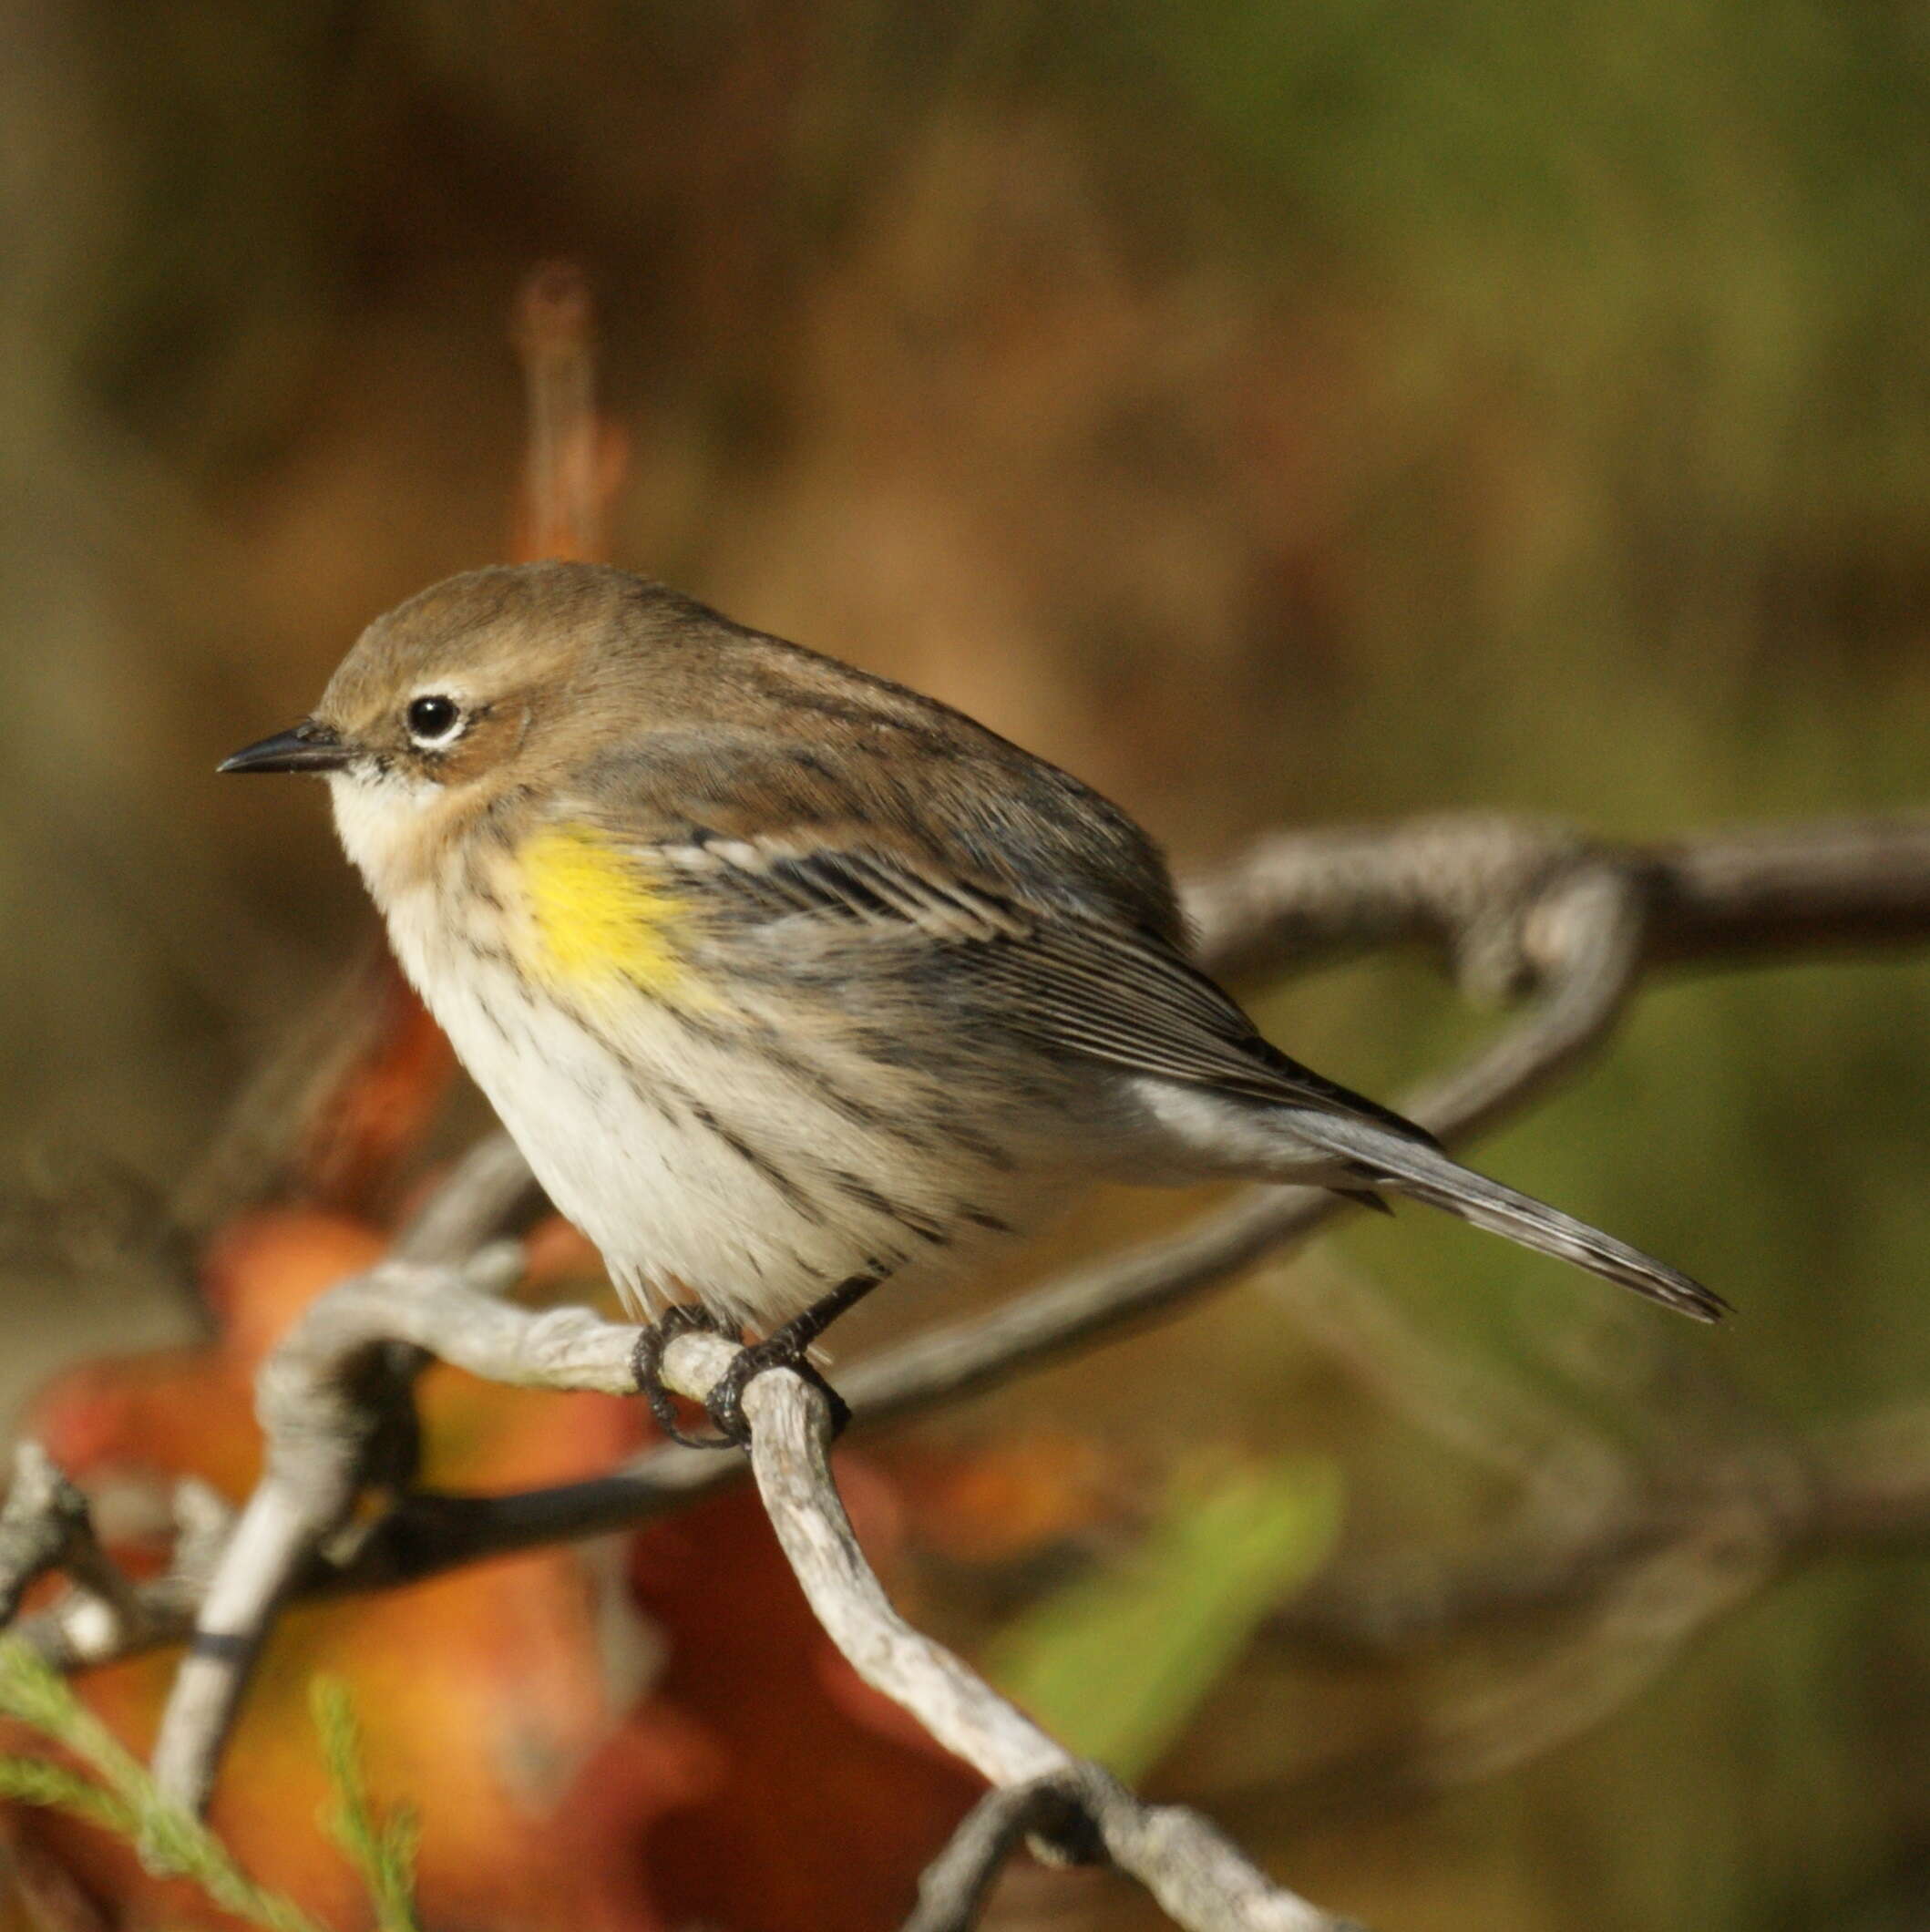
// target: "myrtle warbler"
[[787, 980]]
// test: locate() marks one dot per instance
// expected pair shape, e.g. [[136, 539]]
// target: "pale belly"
[[697, 1169]]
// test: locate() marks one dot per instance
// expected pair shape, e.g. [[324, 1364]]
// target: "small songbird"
[[788, 980]]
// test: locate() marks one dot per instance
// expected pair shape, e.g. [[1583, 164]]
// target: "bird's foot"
[[784, 1348], [646, 1361]]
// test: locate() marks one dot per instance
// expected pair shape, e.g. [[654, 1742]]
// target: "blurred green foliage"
[[1118, 1665]]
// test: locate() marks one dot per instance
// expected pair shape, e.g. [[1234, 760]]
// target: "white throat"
[[380, 817]]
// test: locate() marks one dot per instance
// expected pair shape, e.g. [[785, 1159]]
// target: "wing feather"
[[1078, 982]]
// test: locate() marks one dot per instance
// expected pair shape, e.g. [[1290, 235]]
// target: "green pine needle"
[[120, 1797], [381, 1847], [39, 1781]]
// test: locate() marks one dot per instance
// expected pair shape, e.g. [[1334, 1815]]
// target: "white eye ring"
[[434, 721]]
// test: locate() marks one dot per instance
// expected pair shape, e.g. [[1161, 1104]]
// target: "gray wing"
[[1078, 982]]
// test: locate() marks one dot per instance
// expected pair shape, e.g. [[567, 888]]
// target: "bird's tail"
[[1384, 1158]]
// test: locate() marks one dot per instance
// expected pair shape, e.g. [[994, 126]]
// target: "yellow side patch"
[[598, 914]]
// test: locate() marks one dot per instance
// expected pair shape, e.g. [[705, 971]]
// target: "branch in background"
[[46, 1526], [1465, 882], [955, 1885], [82, 1630], [575, 459], [327, 1402]]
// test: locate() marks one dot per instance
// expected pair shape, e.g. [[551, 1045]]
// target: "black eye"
[[433, 720]]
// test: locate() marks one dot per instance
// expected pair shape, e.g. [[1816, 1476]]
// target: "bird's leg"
[[785, 1348], [646, 1361]]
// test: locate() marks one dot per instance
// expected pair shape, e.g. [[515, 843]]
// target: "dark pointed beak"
[[309, 747]]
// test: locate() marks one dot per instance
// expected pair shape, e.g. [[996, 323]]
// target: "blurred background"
[[1275, 414]]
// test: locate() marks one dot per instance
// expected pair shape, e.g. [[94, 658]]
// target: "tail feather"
[[1414, 1168]]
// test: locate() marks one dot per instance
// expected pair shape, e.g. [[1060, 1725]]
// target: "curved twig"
[[323, 1399], [1200, 1879]]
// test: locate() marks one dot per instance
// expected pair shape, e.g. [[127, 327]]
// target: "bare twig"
[[46, 1526], [479, 1195], [567, 481], [82, 1628], [325, 1397], [282, 1522], [953, 1889], [1195, 1873], [1197, 1876], [1462, 883]]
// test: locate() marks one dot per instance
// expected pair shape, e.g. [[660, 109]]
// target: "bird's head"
[[491, 683]]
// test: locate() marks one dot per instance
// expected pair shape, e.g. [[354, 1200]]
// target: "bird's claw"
[[725, 1401], [725, 1404], [646, 1361]]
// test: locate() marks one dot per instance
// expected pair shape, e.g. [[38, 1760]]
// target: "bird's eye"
[[434, 721]]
